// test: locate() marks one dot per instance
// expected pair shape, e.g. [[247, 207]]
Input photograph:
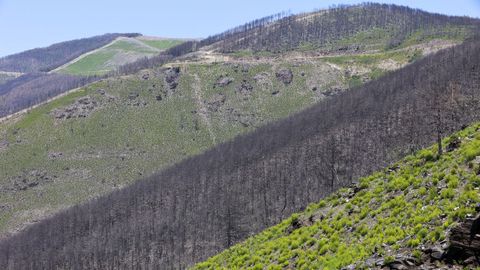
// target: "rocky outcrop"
[[454, 144], [223, 81], [27, 180], [465, 243], [81, 108], [245, 88], [285, 76], [171, 77]]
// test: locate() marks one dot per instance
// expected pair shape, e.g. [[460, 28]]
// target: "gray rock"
[[223, 81], [454, 144], [285, 76], [245, 88], [437, 253], [397, 266], [80, 109], [171, 77]]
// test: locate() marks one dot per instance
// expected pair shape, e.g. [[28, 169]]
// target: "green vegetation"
[[161, 44], [121, 51], [412, 203], [124, 140]]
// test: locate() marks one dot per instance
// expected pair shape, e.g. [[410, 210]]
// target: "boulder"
[[223, 81], [80, 109], [171, 77], [464, 240], [285, 76], [133, 96], [245, 88], [454, 144]]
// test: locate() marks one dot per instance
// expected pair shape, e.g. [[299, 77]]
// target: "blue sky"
[[26, 24]]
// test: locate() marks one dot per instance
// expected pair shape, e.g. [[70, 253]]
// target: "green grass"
[[162, 44], [395, 211], [94, 64], [121, 51]]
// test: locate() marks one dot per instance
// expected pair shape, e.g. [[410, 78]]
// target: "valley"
[[344, 138]]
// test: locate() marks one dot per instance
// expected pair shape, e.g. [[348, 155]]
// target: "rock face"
[[285, 76], [464, 241], [171, 77], [80, 109]]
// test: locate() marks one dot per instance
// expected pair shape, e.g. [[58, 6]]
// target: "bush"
[[448, 193], [414, 242], [472, 150]]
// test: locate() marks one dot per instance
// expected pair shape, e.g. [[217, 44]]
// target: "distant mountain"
[[207, 203], [46, 59]]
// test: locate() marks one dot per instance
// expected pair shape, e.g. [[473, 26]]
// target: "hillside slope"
[[396, 218], [169, 115], [121, 51], [209, 202], [361, 27], [92, 61], [46, 59]]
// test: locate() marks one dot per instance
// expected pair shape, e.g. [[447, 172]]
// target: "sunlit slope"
[[121, 51]]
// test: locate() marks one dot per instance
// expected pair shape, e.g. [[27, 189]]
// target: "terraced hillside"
[[112, 132], [406, 216], [121, 51]]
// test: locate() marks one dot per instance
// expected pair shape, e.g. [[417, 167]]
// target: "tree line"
[[207, 203], [283, 31], [34, 88], [325, 27]]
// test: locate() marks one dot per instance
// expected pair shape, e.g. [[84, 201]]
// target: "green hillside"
[[74, 148], [395, 214], [161, 44], [121, 51]]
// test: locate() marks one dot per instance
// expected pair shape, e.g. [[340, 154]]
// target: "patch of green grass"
[[162, 44], [106, 59]]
